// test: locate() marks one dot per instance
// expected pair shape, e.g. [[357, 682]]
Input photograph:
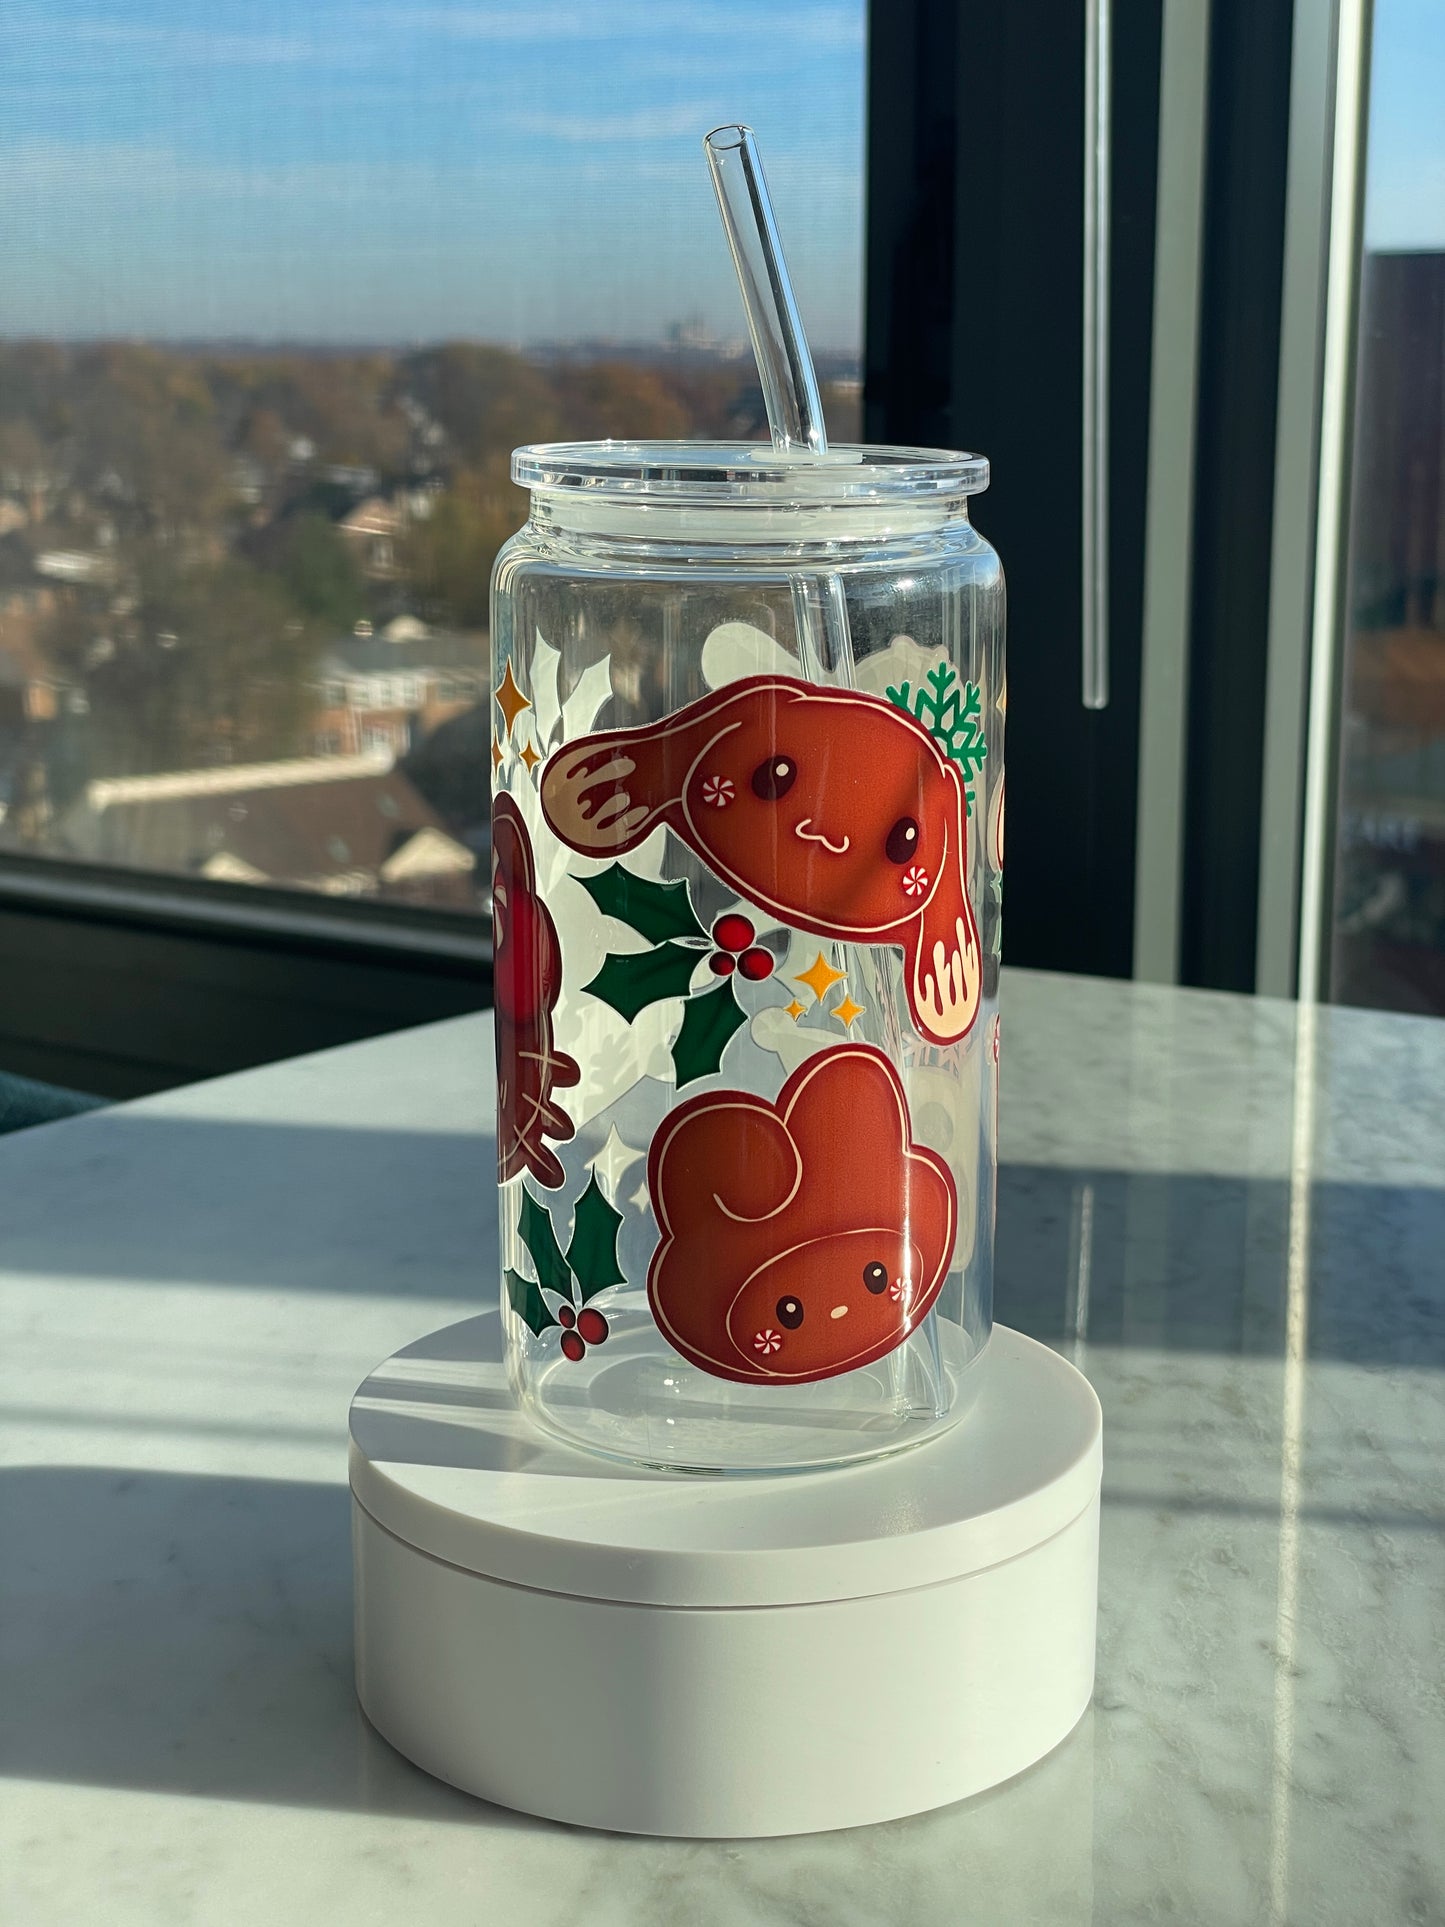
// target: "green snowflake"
[[952, 713]]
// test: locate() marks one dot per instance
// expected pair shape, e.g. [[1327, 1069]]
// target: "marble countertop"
[[1229, 1212]]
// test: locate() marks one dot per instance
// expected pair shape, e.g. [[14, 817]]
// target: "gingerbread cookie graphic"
[[799, 1239], [527, 981], [831, 809]]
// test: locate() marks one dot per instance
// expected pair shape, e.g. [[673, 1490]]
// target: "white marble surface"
[[1232, 1217]]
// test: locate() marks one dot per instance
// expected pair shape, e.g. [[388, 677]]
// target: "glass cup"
[[747, 836]]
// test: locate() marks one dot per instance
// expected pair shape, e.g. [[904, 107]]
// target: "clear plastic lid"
[[749, 474]]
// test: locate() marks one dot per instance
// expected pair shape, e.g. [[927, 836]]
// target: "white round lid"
[[443, 1458]]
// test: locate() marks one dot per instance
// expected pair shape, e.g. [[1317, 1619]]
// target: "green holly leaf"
[[592, 1253], [527, 1302], [541, 1242], [707, 1024], [656, 911], [644, 977]]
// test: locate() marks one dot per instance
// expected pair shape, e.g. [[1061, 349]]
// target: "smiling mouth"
[[810, 835]]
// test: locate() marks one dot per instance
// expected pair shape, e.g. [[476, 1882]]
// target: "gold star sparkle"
[[497, 754], [819, 976], [793, 1010], [847, 1011], [530, 757], [510, 699]]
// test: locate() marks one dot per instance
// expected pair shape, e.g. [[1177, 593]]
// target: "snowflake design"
[[952, 713], [915, 880], [767, 1341], [718, 790]]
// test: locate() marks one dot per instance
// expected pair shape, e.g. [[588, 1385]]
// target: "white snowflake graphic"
[[767, 1341], [718, 790], [915, 880]]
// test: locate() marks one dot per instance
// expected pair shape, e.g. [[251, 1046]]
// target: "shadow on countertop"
[[1183, 1262], [191, 1634]]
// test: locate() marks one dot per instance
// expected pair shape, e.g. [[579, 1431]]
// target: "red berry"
[[733, 932], [720, 964], [572, 1347], [566, 1316], [756, 964], [592, 1325]]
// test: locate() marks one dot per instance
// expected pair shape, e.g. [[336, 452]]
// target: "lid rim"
[[749, 474]]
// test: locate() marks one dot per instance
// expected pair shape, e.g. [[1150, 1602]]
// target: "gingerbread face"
[[800, 1239], [832, 809], [527, 981]]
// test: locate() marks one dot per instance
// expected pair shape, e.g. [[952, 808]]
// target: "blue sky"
[[312, 170], [1405, 178], [306, 169]]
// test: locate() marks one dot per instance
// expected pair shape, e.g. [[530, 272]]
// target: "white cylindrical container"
[[596, 1643]]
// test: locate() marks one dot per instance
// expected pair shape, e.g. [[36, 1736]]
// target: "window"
[[284, 287], [1387, 945]]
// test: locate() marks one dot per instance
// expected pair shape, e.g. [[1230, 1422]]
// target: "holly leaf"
[[527, 1302], [630, 983], [656, 911], [592, 1253], [707, 1024], [538, 1236]]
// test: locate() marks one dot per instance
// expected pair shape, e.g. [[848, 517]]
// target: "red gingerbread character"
[[527, 981], [803, 1238], [832, 809]]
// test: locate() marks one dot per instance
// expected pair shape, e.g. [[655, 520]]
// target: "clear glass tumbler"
[[747, 832]]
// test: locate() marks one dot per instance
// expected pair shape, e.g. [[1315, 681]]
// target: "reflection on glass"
[[1388, 941]]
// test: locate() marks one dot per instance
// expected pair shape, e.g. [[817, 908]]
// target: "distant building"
[[31, 690], [73, 565], [370, 531], [384, 692], [347, 827]]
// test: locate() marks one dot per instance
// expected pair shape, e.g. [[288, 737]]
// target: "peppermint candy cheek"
[[915, 880], [719, 791], [767, 1341]]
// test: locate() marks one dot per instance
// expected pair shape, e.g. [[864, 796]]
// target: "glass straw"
[[785, 368], [820, 611]]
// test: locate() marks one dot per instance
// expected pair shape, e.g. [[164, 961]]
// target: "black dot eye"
[[875, 1277], [902, 844], [790, 1312], [772, 780]]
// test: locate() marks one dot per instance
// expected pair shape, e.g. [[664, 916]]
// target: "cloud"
[[177, 45], [646, 124], [657, 20]]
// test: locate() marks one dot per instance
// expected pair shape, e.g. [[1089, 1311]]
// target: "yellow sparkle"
[[819, 976], [510, 699], [497, 754], [847, 1011], [531, 758], [793, 1010]]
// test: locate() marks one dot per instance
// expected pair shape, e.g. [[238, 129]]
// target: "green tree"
[[212, 664], [147, 438], [319, 573], [598, 399], [488, 400], [449, 556]]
